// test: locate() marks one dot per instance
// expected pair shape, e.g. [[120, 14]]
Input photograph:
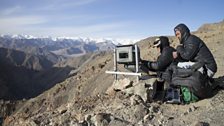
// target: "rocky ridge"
[[84, 99]]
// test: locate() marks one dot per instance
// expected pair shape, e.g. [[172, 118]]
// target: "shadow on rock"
[[218, 84]]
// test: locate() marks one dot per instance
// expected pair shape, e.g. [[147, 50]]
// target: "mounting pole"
[[115, 64], [136, 61]]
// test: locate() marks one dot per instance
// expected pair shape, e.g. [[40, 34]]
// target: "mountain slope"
[[81, 98], [21, 59], [22, 75]]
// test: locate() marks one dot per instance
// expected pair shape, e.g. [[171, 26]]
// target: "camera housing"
[[125, 54]]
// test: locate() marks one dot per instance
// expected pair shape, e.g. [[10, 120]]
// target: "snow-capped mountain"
[[81, 39], [60, 46]]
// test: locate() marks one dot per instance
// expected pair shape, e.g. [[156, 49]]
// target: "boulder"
[[146, 89], [119, 85]]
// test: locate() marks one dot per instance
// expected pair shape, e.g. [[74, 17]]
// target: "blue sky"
[[118, 19]]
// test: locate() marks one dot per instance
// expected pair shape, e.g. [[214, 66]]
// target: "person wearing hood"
[[193, 49], [164, 59]]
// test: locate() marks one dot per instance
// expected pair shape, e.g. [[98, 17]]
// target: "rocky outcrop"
[[145, 88]]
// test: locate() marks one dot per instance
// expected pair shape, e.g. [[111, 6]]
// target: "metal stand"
[[115, 72]]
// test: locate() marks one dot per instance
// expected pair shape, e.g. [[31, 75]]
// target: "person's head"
[[161, 42], [182, 32]]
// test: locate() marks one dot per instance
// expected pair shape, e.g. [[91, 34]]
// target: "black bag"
[[196, 81]]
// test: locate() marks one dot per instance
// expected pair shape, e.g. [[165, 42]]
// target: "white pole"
[[124, 73], [136, 60], [115, 63]]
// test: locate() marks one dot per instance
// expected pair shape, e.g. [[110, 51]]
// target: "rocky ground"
[[120, 109], [88, 98]]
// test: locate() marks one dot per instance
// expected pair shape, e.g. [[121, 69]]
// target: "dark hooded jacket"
[[194, 49], [166, 57]]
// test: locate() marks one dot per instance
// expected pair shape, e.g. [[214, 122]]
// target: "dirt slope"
[[81, 100]]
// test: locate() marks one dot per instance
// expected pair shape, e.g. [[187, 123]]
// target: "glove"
[[149, 64], [144, 62], [152, 66]]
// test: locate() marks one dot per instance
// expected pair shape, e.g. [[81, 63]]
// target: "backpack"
[[187, 95], [196, 82]]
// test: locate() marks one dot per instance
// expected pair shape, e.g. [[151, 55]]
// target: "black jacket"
[[194, 49], [166, 57]]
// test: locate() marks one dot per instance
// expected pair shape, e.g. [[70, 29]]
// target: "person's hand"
[[175, 55], [149, 64]]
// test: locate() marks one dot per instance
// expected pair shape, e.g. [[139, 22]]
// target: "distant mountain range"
[[30, 65], [55, 49]]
